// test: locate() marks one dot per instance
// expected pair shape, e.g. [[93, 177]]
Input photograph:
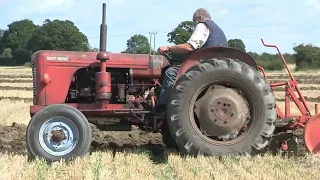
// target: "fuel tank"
[[140, 65]]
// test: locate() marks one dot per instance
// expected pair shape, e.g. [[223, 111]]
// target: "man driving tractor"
[[205, 35]]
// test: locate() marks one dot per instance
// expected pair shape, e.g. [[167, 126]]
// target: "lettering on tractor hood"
[[57, 58]]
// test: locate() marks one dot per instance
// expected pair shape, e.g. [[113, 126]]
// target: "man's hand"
[[163, 49]]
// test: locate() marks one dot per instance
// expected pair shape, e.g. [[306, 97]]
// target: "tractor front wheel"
[[58, 132], [221, 107]]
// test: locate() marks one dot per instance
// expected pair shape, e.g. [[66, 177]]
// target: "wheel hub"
[[221, 111], [58, 136]]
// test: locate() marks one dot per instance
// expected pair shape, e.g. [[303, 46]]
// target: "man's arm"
[[181, 48], [197, 40], [199, 36]]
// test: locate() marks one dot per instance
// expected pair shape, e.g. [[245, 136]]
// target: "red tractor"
[[220, 103]]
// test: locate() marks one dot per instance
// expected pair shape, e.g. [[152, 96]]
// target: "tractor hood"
[[119, 59]]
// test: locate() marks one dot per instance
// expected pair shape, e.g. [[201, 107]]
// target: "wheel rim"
[[58, 136], [227, 139]]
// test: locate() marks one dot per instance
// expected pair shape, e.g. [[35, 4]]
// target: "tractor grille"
[[34, 81]]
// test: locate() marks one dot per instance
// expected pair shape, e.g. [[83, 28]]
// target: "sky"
[[285, 23]]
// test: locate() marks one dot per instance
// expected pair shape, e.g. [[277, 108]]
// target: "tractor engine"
[[124, 86]]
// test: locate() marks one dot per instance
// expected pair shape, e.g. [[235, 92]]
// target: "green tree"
[[94, 49], [138, 44], [16, 38], [1, 33], [58, 35], [268, 61], [237, 43], [290, 58], [7, 53], [2, 45], [181, 33], [307, 57]]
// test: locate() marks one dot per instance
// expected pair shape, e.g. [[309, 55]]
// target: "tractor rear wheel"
[[167, 138], [58, 132], [221, 107]]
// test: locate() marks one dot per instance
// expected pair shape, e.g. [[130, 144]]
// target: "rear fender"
[[215, 52]]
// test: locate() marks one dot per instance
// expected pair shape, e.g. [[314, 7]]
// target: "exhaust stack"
[[103, 55], [103, 78]]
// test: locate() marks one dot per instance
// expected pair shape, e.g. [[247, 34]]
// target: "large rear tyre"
[[58, 132], [221, 107], [167, 138]]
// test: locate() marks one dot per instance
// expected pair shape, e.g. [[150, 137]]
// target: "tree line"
[[22, 38]]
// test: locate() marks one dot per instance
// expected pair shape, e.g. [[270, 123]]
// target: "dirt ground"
[[12, 139]]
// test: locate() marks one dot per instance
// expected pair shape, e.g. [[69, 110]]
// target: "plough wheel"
[[312, 135], [221, 107]]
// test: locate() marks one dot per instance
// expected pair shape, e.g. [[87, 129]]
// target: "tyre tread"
[[185, 81]]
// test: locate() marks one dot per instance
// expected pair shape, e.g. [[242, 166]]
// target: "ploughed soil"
[[12, 139]]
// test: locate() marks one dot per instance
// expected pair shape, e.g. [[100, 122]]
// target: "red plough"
[[310, 125]]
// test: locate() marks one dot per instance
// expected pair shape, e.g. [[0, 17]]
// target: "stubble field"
[[135, 154]]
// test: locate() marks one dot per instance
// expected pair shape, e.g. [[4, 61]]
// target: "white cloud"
[[56, 3], [46, 6], [314, 3], [257, 11], [117, 1], [3, 1], [221, 13]]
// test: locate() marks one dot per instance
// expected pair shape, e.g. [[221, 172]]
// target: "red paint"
[[284, 146], [215, 52], [290, 86], [312, 135], [153, 101], [46, 79], [61, 72], [103, 86], [103, 79], [97, 109]]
